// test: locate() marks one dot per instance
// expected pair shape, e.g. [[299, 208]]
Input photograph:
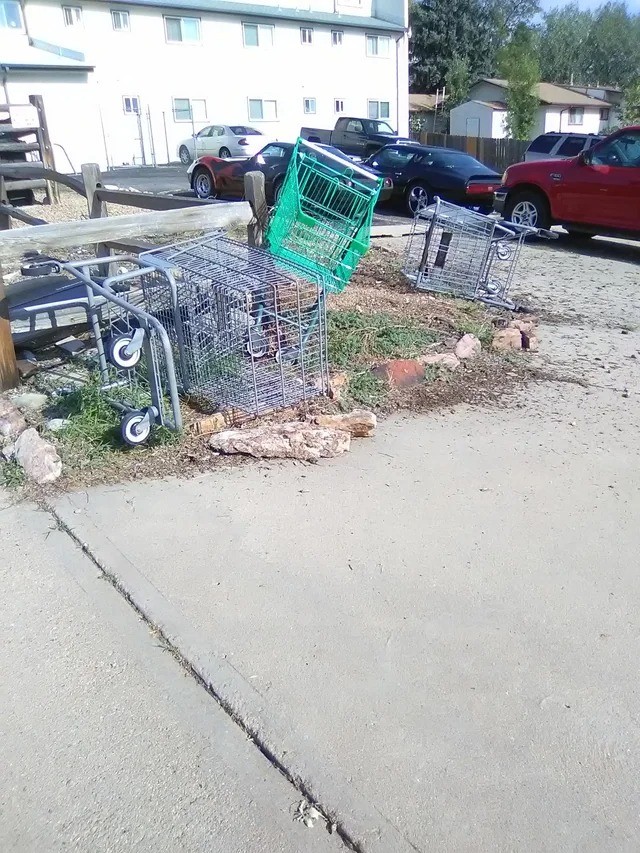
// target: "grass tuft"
[[11, 475], [356, 338], [367, 389]]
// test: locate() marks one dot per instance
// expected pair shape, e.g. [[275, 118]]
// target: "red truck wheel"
[[528, 207]]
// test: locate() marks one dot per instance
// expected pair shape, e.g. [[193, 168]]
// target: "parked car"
[[597, 192], [221, 140], [211, 177], [559, 146], [420, 172], [358, 137]]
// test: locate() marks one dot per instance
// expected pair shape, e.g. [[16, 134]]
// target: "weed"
[[356, 338], [483, 330], [367, 389], [11, 475]]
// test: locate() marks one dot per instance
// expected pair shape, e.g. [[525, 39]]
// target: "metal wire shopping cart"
[[323, 217], [133, 354], [458, 251], [248, 330]]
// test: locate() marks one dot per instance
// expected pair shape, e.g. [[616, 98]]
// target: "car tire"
[[185, 157], [202, 184], [528, 207], [277, 189], [224, 153], [417, 195]]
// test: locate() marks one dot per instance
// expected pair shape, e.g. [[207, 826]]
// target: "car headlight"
[[505, 176]]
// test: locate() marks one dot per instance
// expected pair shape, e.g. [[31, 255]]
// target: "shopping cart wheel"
[[116, 351], [504, 251], [135, 427], [257, 344]]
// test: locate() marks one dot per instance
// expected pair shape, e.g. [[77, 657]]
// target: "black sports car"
[[211, 177], [420, 172]]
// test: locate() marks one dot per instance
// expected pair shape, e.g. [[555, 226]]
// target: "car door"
[[602, 187], [394, 161], [203, 141], [351, 139], [271, 161]]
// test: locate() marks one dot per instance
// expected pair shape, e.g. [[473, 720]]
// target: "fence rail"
[[496, 153]]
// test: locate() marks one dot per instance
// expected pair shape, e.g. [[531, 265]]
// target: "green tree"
[[518, 64], [457, 81], [631, 104], [612, 49], [562, 44]]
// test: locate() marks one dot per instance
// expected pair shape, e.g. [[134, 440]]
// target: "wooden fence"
[[496, 153]]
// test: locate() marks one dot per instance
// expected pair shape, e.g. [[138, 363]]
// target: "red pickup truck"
[[597, 192]]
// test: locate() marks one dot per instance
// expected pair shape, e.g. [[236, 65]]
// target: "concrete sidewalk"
[[105, 742], [437, 632]]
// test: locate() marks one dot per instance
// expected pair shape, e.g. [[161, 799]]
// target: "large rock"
[[11, 421], [468, 347], [37, 457], [441, 359], [31, 401], [400, 372], [507, 339], [283, 441], [359, 423]]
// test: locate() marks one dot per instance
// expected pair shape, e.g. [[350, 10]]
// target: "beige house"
[[561, 110]]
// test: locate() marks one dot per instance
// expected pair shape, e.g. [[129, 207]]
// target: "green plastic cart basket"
[[322, 220]]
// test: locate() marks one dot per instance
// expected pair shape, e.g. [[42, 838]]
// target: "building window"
[[131, 105], [336, 38], [182, 29], [338, 105], [72, 16], [604, 113], [260, 110], [119, 20], [309, 106], [378, 109], [378, 45], [189, 109], [306, 35], [576, 115], [10, 15], [257, 35]]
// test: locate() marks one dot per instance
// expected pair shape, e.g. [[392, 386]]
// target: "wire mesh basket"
[[463, 253], [323, 217], [248, 330]]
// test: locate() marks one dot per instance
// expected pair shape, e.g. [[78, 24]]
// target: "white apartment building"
[[124, 82]]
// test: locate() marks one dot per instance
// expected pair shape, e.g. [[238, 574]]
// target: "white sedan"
[[222, 140]]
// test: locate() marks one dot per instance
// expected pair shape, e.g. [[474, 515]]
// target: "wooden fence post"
[[9, 377], [97, 208], [255, 195]]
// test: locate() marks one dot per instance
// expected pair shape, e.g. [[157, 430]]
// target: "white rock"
[[30, 400], [291, 440], [37, 457], [441, 359], [11, 421], [468, 347], [55, 424]]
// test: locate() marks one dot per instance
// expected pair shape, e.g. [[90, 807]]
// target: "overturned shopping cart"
[[322, 220], [460, 252]]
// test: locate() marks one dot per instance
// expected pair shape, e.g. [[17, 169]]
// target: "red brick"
[[400, 372]]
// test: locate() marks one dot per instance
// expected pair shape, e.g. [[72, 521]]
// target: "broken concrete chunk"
[[527, 326], [56, 424], [38, 458], [507, 339], [468, 347], [441, 359], [360, 423], [12, 422], [283, 441]]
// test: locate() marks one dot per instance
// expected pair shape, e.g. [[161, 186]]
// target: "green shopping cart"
[[323, 217]]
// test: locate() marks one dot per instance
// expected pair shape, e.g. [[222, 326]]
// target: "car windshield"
[[240, 130], [380, 127]]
